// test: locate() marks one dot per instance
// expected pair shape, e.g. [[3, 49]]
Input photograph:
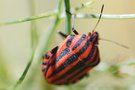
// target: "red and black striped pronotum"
[[72, 59]]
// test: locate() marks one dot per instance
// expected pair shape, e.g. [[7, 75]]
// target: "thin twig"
[[78, 16], [68, 17], [36, 17], [106, 16], [33, 31], [37, 53], [24, 73]]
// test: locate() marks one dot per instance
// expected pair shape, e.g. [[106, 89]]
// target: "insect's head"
[[93, 37]]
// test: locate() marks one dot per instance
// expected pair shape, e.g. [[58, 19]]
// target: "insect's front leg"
[[73, 22], [47, 59], [63, 34]]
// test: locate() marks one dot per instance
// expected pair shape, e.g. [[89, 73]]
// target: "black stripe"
[[44, 70], [71, 59], [82, 69], [95, 61], [65, 64], [95, 56], [63, 53], [82, 50], [79, 65], [68, 43], [95, 50], [53, 53], [44, 63], [54, 50], [66, 50], [79, 41], [79, 78], [46, 56]]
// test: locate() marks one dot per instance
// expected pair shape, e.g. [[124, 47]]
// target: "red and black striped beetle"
[[72, 59]]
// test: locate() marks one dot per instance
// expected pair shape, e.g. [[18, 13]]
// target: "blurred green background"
[[22, 41]]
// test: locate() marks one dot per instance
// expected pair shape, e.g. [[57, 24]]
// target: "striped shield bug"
[[73, 58]]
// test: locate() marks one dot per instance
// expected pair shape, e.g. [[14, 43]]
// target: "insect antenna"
[[99, 18], [124, 46]]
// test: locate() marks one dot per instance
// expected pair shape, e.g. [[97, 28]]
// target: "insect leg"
[[73, 21], [63, 34]]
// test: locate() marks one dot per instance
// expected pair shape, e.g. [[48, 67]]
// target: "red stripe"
[[90, 60], [62, 60], [69, 76], [81, 74], [96, 62], [85, 54], [62, 46], [85, 71], [74, 41], [43, 67]]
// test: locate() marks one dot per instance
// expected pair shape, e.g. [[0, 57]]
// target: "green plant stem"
[[33, 31], [33, 43], [37, 53], [68, 17], [36, 17], [24, 73], [78, 16], [44, 43]]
